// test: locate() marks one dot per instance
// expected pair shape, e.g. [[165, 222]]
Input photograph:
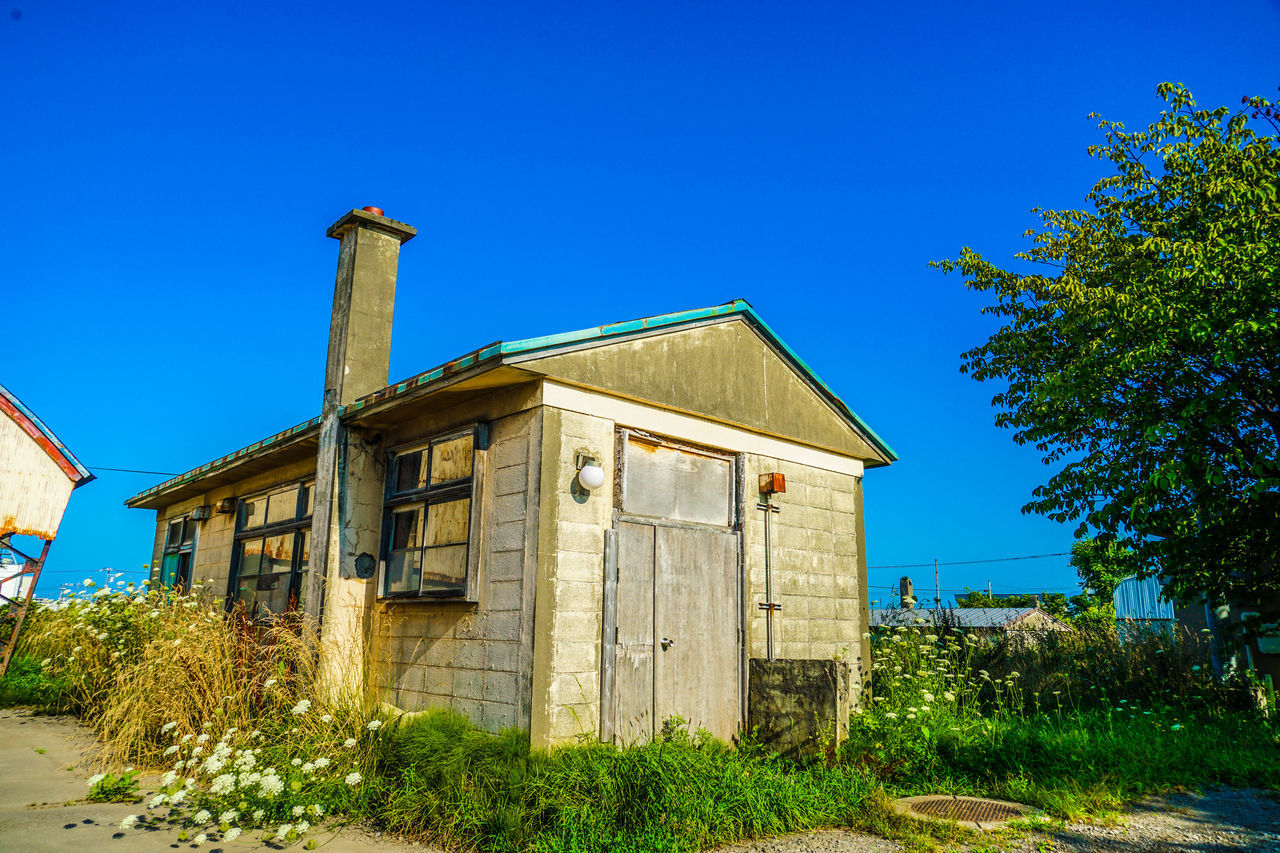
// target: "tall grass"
[[445, 780], [1072, 722]]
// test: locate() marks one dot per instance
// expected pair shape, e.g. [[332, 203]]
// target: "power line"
[[130, 471], [974, 562]]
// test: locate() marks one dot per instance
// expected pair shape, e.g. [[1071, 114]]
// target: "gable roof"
[[524, 351], [27, 421]]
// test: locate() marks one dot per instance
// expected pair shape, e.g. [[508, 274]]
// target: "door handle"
[[667, 643]]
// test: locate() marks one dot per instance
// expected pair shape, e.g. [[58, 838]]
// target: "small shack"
[[564, 534], [37, 476]]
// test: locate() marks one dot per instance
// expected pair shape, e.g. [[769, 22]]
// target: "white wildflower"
[[157, 800], [317, 810], [948, 695], [229, 816], [231, 834], [96, 778], [928, 697], [168, 779], [296, 762], [171, 750], [224, 784], [202, 739], [302, 827], [178, 796], [283, 831], [301, 708], [270, 786], [891, 716], [297, 811], [353, 779], [349, 742], [258, 814], [308, 767], [374, 725], [268, 682], [326, 718], [199, 839], [129, 821], [168, 727], [321, 763], [202, 816]]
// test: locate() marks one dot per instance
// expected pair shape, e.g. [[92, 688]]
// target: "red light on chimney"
[[376, 211]]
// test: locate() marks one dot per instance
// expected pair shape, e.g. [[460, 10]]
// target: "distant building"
[[979, 620]]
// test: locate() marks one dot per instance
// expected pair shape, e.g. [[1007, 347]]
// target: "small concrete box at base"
[[794, 706]]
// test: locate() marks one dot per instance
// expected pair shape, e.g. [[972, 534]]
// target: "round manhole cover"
[[981, 813]]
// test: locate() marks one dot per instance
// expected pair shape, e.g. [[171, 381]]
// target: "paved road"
[[44, 765]]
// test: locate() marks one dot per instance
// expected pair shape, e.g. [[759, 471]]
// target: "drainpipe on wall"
[[345, 523]]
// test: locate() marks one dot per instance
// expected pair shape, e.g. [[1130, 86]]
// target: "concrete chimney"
[[907, 596], [364, 300]]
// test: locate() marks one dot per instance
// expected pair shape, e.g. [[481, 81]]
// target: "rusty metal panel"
[[696, 649], [33, 488], [677, 484]]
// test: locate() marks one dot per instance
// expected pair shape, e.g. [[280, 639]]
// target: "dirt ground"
[[45, 762]]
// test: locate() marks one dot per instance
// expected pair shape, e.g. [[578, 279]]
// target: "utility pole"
[[937, 587], [988, 589]]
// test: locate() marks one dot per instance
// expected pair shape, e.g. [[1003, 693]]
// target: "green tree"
[[1101, 564], [1141, 348], [1053, 603]]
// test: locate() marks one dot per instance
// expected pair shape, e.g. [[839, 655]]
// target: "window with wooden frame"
[[179, 552], [272, 552], [432, 522]]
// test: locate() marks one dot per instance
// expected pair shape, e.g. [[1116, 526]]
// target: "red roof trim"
[[41, 435]]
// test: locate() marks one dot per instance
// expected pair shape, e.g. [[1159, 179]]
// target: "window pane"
[[308, 498], [250, 557], [253, 513], [404, 571], [188, 532], [444, 569], [271, 592], [409, 471], [283, 505], [174, 538], [404, 528], [277, 556], [304, 561], [447, 523], [451, 460]]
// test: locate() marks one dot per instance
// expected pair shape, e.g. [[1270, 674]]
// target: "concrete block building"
[[564, 534]]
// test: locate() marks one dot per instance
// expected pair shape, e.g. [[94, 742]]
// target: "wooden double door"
[[677, 637]]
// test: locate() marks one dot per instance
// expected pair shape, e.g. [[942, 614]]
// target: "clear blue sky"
[[168, 175]]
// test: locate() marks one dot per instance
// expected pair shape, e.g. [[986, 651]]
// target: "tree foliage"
[[1141, 343], [1101, 564]]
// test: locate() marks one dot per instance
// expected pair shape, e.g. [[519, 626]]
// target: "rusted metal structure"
[[37, 476]]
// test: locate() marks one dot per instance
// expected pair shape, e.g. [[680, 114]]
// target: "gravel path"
[[1223, 820]]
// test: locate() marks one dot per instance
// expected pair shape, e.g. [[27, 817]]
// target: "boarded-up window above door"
[[677, 483]]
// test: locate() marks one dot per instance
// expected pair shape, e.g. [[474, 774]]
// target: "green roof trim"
[[494, 352]]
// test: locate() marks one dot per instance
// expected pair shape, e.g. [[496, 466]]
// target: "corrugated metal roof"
[[1141, 599], [14, 408], [491, 356], [960, 617]]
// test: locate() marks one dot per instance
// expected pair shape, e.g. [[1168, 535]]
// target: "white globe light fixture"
[[591, 476]]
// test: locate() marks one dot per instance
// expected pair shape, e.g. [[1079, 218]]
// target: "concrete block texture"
[[798, 707], [466, 655], [816, 574]]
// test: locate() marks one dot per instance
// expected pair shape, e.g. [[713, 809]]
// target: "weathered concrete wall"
[[215, 537], [476, 658], [566, 675], [817, 575], [795, 706], [724, 370]]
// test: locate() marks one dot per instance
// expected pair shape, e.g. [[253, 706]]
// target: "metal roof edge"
[[42, 435], [268, 443], [739, 307], [498, 350]]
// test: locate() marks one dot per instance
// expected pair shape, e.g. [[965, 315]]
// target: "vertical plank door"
[[633, 667]]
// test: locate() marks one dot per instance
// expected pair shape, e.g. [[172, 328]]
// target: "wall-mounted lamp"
[[590, 474]]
